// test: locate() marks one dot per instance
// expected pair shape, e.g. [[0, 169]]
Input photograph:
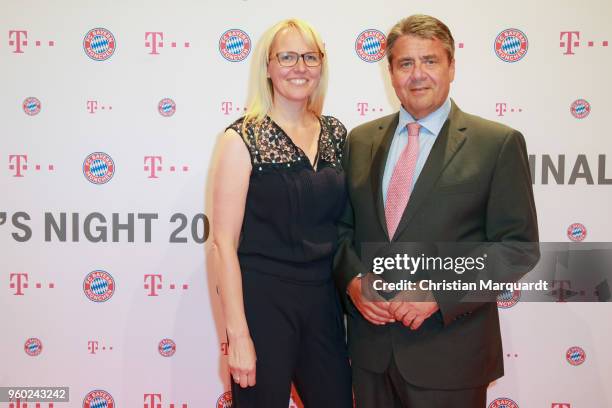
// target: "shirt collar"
[[432, 122]]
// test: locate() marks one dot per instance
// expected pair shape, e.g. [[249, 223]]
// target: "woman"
[[278, 189]]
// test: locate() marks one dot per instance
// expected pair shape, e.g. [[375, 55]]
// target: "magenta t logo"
[[226, 107], [152, 167], [18, 283], [20, 163], [362, 108], [570, 42], [153, 44], [153, 286], [18, 42]]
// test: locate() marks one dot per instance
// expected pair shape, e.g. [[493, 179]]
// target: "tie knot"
[[413, 129]]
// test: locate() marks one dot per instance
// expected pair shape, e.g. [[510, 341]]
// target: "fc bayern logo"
[[503, 403], [31, 106], [166, 107], [235, 45], [576, 232], [33, 347], [511, 45], [507, 299], [167, 347], [99, 286], [99, 44], [98, 399], [98, 168], [371, 45], [580, 109], [225, 400], [575, 356]]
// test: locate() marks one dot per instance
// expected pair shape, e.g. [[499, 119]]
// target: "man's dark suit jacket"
[[475, 187]]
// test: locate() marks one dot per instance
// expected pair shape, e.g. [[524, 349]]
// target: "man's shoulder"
[[477, 125], [367, 129]]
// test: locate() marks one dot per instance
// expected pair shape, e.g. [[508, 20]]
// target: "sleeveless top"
[[289, 226]]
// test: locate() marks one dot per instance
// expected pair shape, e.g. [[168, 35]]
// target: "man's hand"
[[375, 309], [413, 307]]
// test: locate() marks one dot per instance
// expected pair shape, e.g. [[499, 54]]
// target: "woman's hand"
[[242, 360]]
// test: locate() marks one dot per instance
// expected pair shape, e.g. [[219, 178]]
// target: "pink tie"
[[400, 185]]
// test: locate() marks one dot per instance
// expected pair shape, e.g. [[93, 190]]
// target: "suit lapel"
[[380, 150], [448, 142]]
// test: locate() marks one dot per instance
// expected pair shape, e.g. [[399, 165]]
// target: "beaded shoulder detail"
[[269, 144]]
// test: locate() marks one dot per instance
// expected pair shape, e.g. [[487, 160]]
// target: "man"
[[430, 173]]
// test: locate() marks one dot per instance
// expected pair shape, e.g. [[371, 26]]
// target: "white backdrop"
[[160, 288]]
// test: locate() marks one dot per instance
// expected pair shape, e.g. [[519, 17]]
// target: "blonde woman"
[[278, 190]]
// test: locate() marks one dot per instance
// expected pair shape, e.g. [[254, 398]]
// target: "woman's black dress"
[[286, 248]]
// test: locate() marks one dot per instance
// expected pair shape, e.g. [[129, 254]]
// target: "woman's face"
[[296, 83]]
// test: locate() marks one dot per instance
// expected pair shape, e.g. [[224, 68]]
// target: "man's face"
[[421, 74]]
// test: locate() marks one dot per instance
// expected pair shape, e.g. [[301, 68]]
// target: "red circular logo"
[[98, 399], [167, 347], [166, 107], [33, 347], [235, 45], [225, 400], [99, 286], [31, 106], [371, 45], [580, 109], [511, 45], [575, 355], [507, 299], [98, 168], [503, 403], [99, 44], [576, 232]]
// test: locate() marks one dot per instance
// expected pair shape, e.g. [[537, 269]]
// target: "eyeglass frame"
[[322, 55]]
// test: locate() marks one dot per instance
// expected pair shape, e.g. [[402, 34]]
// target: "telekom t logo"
[[153, 286], [500, 108], [564, 286], [154, 401], [153, 166], [153, 44], [17, 404], [362, 108], [93, 106], [226, 107], [155, 40], [92, 346], [571, 40], [20, 163], [18, 281], [560, 405], [21, 40]]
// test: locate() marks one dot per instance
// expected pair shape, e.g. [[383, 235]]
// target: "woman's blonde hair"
[[261, 93]]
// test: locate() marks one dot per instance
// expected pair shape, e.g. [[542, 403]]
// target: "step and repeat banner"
[[109, 116]]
